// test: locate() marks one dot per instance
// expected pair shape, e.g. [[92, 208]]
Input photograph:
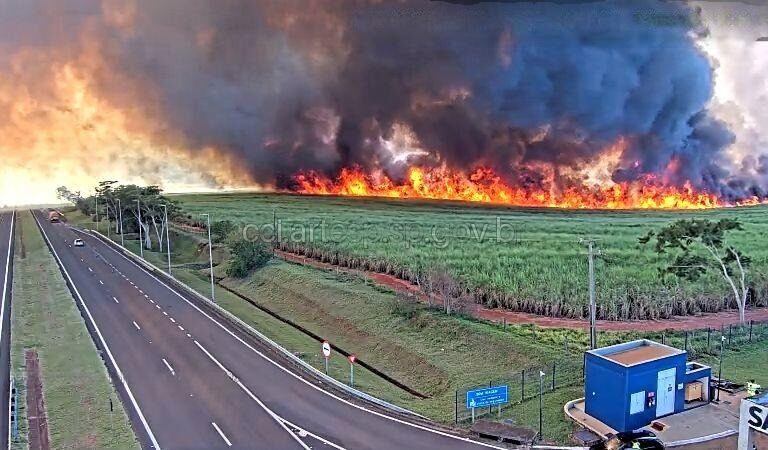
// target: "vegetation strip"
[[320, 339], [38, 422], [75, 383]]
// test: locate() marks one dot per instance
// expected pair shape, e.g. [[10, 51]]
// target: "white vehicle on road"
[[78, 243]]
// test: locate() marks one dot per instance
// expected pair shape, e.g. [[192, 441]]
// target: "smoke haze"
[[192, 93]]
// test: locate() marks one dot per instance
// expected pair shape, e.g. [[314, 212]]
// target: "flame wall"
[[196, 93]]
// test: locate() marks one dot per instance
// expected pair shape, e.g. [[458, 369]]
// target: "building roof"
[[636, 352]]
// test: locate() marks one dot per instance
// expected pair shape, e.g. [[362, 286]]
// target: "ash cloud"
[[288, 86]]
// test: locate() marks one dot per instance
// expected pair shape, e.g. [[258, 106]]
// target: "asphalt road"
[[191, 381], [7, 221]]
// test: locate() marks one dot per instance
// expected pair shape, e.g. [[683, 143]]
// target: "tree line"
[[137, 206]]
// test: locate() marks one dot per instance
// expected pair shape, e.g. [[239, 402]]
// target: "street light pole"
[[541, 404], [141, 234], [167, 237], [210, 256], [98, 228], [592, 302], [120, 218]]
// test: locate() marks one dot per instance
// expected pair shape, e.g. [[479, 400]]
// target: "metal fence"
[[523, 386]]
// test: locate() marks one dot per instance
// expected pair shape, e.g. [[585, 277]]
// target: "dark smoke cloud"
[[287, 86]]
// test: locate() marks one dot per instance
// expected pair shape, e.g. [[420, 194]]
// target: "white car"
[[78, 243]]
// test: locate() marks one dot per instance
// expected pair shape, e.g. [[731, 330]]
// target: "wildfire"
[[484, 186]]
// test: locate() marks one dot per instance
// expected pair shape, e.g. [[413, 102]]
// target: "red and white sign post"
[[352, 358], [327, 354]]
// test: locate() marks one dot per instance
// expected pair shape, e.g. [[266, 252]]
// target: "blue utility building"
[[629, 385]]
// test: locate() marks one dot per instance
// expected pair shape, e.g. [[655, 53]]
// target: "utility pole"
[[720, 368], [141, 235], [541, 404], [167, 237], [210, 256], [98, 228], [591, 253], [120, 218]]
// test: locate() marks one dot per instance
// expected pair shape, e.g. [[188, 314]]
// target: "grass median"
[[76, 386]]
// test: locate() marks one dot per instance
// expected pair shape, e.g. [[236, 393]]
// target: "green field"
[[76, 386], [522, 259]]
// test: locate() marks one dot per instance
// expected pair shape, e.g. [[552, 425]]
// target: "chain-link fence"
[[522, 386]]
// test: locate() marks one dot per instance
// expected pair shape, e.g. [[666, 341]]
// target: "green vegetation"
[[76, 386], [246, 257], [523, 259], [741, 364]]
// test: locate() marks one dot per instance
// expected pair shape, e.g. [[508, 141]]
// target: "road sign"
[[479, 398], [326, 349]]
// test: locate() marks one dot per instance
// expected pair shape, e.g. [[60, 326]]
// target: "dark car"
[[641, 439]]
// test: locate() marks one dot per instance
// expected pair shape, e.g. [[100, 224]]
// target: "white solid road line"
[[173, 372], [136, 325], [288, 371], [115, 299], [119, 372], [221, 433], [2, 311], [237, 381]]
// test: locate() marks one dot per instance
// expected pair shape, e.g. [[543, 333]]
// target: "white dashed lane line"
[[170, 369], [101, 282], [115, 299], [157, 306], [90, 270], [136, 325], [221, 433], [182, 329], [165, 313], [173, 320]]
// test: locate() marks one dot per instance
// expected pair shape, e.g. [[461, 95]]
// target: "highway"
[[190, 380], [7, 222]]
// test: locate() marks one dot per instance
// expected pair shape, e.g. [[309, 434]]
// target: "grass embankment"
[[76, 386], [523, 259], [743, 363]]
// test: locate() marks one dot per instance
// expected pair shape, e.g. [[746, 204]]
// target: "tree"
[[247, 256], [699, 246], [222, 229]]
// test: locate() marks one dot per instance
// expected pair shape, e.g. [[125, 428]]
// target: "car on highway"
[[78, 243]]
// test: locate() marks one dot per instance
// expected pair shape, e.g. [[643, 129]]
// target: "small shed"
[[629, 385]]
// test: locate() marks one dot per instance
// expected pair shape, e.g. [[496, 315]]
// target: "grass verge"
[[76, 386]]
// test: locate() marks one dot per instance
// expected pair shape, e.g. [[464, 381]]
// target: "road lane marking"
[[101, 282], [136, 325], [237, 381], [165, 313], [115, 299], [284, 369], [157, 306], [151, 301], [90, 270], [189, 335], [181, 328], [146, 296], [173, 320], [229, 444], [2, 307], [170, 369], [119, 372], [304, 433]]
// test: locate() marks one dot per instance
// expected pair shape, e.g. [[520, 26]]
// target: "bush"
[[247, 256], [221, 229]]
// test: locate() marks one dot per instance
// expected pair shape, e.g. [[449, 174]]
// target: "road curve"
[[7, 222], [192, 381]]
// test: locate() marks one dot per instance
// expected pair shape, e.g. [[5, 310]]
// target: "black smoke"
[[288, 86]]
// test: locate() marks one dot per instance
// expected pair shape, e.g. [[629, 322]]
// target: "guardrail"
[[220, 311]]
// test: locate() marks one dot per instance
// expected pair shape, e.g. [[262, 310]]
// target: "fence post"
[[686, 341], [490, 407], [522, 386], [662, 338], [709, 334], [554, 371], [750, 330], [730, 330], [456, 407]]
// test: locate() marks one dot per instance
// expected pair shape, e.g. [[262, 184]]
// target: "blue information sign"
[[497, 395]]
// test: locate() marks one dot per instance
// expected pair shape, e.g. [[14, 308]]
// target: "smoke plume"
[[254, 92]]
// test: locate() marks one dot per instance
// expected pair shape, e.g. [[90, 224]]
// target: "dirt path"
[[38, 421], [712, 320]]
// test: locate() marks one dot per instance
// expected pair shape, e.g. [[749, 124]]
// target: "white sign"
[[755, 417], [637, 402], [326, 349]]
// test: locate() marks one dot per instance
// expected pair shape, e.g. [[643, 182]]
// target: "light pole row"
[[167, 237]]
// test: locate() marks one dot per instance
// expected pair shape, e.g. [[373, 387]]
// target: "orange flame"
[[484, 186]]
